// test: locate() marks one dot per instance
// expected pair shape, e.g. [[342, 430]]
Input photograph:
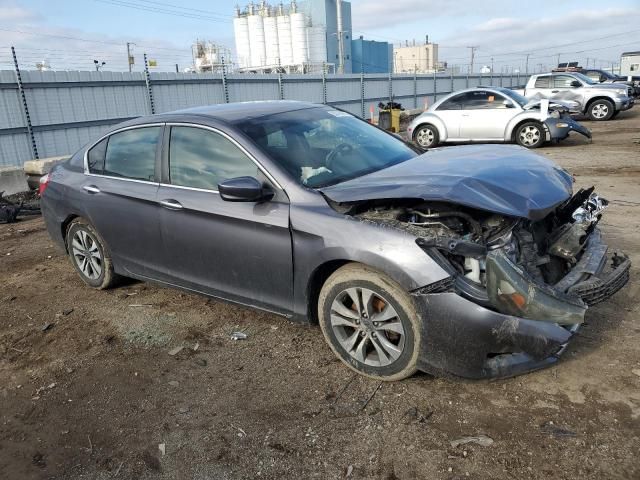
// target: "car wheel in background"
[[601, 110], [89, 255], [530, 135], [370, 323], [426, 136]]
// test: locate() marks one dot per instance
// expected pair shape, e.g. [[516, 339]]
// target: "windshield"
[[521, 100], [323, 146], [584, 78]]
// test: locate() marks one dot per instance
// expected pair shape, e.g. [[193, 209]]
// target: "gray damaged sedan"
[[475, 261], [493, 114]]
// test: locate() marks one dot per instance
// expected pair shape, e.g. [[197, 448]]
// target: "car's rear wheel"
[[426, 136], [370, 323], [89, 255], [601, 110], [530, 135]]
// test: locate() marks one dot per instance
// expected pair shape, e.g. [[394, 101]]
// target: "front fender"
[[515, 121]]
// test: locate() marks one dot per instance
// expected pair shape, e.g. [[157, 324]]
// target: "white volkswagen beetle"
[[492, 114]]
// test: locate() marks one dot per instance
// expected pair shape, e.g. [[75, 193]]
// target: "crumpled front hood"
[[505, 179], [567, 105]]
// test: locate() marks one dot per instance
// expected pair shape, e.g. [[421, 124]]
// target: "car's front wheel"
[[89, 255], [370, 323], [601, 110], [426, 136], [530, 135]]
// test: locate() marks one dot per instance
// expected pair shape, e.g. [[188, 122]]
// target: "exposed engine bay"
[[532, 269]]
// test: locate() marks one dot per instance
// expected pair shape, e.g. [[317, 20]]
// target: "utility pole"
[[558, 59], [526, 65], [129, 57], [340, 36], [473, 55]]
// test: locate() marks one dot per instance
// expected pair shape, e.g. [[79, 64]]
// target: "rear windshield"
[[323, 146]]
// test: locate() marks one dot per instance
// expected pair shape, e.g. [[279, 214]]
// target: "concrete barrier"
[[43, 166], [12, 180]]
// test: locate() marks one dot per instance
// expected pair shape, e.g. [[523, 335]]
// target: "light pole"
[[130, 60], [99, 65]]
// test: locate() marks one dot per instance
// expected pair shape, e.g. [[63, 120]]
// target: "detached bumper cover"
[[468, 340], [560, 128]]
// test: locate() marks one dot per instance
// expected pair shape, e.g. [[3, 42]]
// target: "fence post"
[[324, 83], [435, 87], [280, 87], [25, 107], [467, 80], [362, 92], [147, 80], [415, 87], [225, 87]]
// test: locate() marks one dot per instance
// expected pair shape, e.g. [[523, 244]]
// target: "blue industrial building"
[[369, 56]]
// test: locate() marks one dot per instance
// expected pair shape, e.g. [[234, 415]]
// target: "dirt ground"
[[88, 388]]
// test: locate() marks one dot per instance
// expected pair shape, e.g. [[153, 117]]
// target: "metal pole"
[[25, 107], [362, 91], [225, 87], [467, 80], [129, 55], [451, 80], [526, 65], [435, 87], [147, 80], [390, 89], [280, 87], [415, 86], [324, 83], [340, 36]]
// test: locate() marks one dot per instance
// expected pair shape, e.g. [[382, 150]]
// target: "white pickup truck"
[[600, 101]]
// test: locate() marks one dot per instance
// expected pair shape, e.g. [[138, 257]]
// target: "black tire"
[[426, 136], [387, 297], [615, 114], [530, 135], [84, 243], [601, 110]]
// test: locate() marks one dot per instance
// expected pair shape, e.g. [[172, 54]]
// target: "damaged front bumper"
[[560, 128], [532, 325]]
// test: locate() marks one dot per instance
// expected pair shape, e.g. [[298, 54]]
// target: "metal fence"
[[48, 114]]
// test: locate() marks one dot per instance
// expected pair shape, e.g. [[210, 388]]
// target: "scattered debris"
[[241, 432], [239, 336], [551, 429], [339, 394], [349, 471], [195, 347], [135, 305], [118, 470], [47, 326], [174, 383], [201, 361], [371, 396], [174, 351], [482, 440], [636, 371], [68, 311], [413, 415], [163, 449], [90, 449]]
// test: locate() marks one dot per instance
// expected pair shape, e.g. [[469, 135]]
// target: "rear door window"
[[200, 158], [562, 81], [543, 82], [454, 103], [132, 154]]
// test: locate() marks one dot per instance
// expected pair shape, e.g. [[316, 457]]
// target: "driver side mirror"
[[575, 84], [508, 104], [244, 189]]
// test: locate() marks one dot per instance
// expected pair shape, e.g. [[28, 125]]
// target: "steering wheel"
[[339, 151]]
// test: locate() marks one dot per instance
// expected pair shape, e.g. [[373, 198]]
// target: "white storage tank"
[[272, 53], [299, 38], [256, 39], [241, 33], [317, 38], [284, 38]]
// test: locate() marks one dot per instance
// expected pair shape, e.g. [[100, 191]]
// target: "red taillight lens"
[[44, 182]]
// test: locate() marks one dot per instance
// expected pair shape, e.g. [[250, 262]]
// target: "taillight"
[[44, 182]]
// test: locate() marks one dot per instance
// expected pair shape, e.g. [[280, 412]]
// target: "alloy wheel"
[[600, 110], [425, 137], [367, 327], [86, 254], [529, 135]]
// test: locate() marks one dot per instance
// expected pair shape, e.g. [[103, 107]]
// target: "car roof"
[[230, 112]]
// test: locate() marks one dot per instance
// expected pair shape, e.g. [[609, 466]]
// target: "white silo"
[[272, 54], [298, 36], [241, 33], [317, 38], [284, 37], [256, 38]]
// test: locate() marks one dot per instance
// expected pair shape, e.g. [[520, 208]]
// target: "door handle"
[[555, 91], [91, 189], [171, 204]]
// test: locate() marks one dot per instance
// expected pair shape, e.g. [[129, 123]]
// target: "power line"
[[164, 11]]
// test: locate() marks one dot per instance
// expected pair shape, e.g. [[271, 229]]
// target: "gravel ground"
[[88, 388]]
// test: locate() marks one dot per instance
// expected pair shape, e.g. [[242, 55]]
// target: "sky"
[[72, 33]]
